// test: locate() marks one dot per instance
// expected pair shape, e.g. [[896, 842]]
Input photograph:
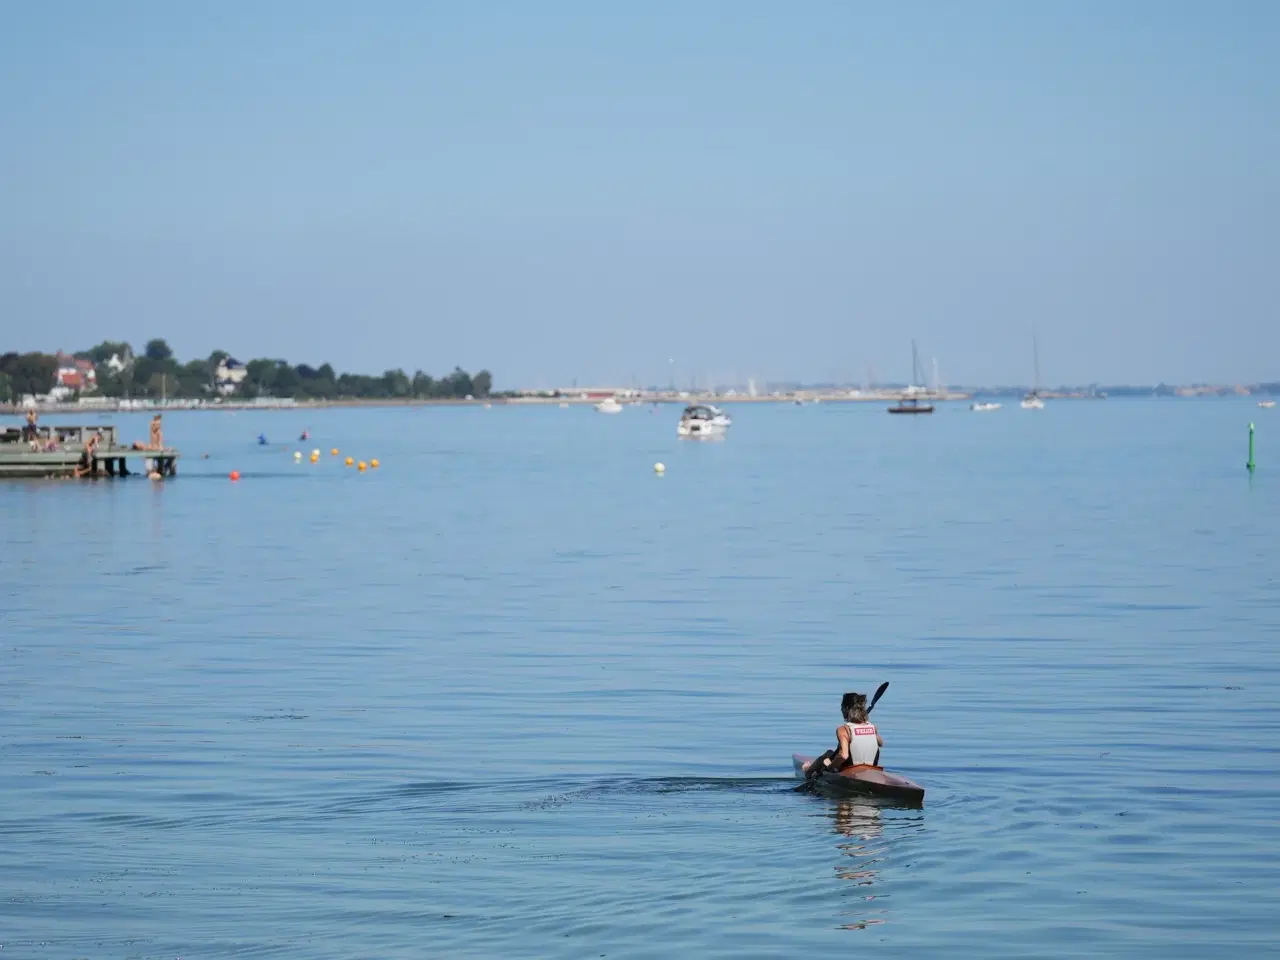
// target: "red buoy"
[[235, 474]]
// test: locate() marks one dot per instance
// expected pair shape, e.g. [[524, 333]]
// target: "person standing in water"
[[156, 440], [858, 740]]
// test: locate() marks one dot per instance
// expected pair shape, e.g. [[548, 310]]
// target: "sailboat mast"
[[1035, 359]]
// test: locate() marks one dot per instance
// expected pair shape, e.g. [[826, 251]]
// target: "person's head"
[[853, 707]]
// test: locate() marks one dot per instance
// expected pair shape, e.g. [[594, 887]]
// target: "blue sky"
[[612, 192]]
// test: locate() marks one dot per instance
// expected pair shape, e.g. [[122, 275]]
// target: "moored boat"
[[983, 407], [911, 397], [703, 420], [911, 405], [864, 779], [1033, 400]]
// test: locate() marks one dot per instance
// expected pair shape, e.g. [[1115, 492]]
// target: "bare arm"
[[842, 735]]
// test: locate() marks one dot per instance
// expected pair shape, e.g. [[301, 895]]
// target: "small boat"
[[911, 405], [1266, 404], [983, 407], [703, 420], [910, 402], [1032, 400], [864, 779], [609, 405]]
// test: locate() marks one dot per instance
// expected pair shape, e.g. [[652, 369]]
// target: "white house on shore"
[[229, 375]]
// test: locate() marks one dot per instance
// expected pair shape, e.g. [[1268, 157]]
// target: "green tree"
[[285, 380], [482, 383], [106, 350], [397, 383], [193, 379], [261, 373], [29, 373], [154, 377], [423, 385], [158, 350], [459, 383], [6, 389]]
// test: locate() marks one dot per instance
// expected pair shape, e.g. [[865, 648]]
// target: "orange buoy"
[[361, 466], [374, 463], [235, 474]]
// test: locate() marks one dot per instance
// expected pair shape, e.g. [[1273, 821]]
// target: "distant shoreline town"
[[112, 377]]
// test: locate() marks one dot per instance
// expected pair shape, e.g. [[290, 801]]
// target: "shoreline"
[[799, 397], [804, 397]]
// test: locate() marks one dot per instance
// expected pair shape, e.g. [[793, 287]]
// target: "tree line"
[[156, 374]]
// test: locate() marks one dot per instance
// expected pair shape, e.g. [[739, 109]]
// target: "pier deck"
[[110, 459]]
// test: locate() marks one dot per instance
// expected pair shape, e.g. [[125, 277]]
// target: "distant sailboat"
[[1032, 400], [910, 402]]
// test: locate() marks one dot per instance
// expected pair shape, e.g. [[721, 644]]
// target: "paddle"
[[879, 693]]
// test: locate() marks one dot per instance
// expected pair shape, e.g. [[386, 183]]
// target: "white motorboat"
[[703, 420], [1032, 401], [609, 405], [983, 407], [1266, 404]]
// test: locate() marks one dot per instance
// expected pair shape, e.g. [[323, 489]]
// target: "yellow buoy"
[[374, 463], [659, 468], [315, 458], [361, 466], [333, 452], [350, 461]]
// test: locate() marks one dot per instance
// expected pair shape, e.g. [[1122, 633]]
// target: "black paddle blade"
[[879, 693]]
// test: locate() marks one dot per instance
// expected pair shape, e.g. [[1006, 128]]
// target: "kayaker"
[[859, 741]]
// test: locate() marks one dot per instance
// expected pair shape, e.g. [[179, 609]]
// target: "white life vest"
[[863, 742]]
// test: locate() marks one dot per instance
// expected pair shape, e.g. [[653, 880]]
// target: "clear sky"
[[610, 191]]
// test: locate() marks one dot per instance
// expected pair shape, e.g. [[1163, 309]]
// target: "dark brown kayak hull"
[[866, 779]]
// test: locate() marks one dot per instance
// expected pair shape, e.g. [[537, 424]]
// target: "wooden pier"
[[61, 451]]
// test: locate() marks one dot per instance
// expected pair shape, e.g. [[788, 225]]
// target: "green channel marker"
[[1250, 465]]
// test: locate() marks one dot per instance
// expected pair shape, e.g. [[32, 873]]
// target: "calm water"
[[514, 695]]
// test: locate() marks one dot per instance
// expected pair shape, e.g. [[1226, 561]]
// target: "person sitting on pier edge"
[[859, 741], [85, 466]]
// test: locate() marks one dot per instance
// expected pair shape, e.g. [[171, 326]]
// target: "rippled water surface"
[[512, 694]]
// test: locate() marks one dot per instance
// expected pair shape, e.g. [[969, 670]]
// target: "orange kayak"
[[865, 779]]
